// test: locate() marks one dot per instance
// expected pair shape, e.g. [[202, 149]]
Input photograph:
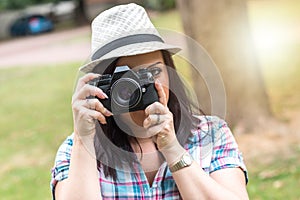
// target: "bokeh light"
[[274, 26]]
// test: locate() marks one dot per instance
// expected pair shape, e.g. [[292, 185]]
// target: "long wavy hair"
[[110, 156]]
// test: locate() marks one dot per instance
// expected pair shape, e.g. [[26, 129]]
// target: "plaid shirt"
[[212, 146]]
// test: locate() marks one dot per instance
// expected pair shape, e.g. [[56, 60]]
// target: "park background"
[[37, 76]]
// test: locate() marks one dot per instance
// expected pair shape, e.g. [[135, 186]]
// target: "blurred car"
[[30, 25]]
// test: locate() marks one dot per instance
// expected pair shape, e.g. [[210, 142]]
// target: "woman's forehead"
[[142, 59]]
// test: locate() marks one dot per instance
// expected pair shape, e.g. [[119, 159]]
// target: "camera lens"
[[126, 93]]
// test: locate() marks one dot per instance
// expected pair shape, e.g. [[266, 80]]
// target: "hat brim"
[[130, 50]]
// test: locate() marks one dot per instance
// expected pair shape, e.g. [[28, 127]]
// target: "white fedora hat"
[[123, 30]]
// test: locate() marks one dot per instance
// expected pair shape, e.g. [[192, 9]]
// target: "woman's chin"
[[138, 117], [134, 120]]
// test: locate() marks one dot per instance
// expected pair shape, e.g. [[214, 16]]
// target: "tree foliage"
[[18, 4], [159, 4]]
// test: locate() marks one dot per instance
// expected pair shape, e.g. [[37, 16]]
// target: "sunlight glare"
[[274, 26], [269, 38]]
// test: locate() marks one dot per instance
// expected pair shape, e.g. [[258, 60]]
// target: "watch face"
[[187, 159]]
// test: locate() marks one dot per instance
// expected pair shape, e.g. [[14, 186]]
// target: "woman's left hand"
[[159, 123]]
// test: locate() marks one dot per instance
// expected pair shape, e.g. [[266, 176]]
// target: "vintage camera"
[[127, 90]]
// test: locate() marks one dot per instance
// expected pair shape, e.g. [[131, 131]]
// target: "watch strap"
[[185, 161]]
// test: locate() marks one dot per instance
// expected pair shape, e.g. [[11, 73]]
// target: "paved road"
[[52, 48], [57, 47]]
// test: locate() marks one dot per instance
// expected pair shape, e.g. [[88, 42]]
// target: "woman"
[[163, 150]]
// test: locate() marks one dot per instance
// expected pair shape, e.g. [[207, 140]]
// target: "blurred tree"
[[80, 13], [222, 28], [18, 4], [12, 4], [160, 5]]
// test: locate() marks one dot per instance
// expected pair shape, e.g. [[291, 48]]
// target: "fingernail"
[[105, 95], [146, 111], [108, 113], [103, 121]]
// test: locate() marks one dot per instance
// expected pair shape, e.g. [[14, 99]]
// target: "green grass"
[[276, 181], [35, 118]]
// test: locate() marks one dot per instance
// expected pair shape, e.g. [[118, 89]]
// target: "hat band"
[[131, 39]]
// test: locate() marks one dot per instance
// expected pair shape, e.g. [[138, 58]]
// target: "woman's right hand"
[[87, 111]]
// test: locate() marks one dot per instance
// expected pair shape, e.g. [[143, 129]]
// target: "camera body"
[[127, 90]]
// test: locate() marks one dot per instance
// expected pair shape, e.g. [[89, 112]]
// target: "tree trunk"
[[222, 28], [80, 13]]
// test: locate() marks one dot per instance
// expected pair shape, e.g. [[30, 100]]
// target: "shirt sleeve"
[[225, 149], [60, 170]]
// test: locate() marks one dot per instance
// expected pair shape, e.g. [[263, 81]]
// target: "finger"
[[155, 108], [154, 130], [153, 120], [161, 132], [161, 93], [89, 90], [93, 114], [99, 107], [85, 79], [95, 104]]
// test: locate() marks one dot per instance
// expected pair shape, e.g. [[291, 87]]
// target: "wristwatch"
[[185, 161]]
